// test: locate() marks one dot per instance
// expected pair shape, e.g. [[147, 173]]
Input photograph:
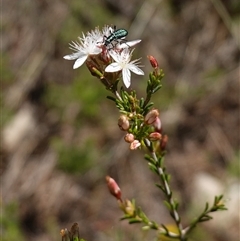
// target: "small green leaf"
[[167, 177], [161, 187], [206, 207], [148, 106], [148, 158], [161, 161], [123, 218], [141, 103], [152, 167], [111, 98], [152, 78], [168, 205], [176, 205], [134, 220], [145, 228], [156, 89], [205, 218]]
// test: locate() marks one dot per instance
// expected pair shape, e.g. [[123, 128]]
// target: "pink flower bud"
[[157, 124], [151, 116], [123, 123], [155, 136], [153, 61], [129, 137], [113, 188], [134, 145]]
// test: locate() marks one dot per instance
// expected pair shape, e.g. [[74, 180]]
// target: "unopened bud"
[[153, 61], [151, 116], [123, 123], [65, 234], [164, 142], [113, 188], [62, 232], [75, 230], [129, 137], [155, 136], [134, 145], [157, 124]]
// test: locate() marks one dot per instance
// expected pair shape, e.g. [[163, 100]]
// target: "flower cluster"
[[148, 128], [104, 57]]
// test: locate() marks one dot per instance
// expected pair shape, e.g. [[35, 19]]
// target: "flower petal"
[[95, 50], [71, 56], [80, 61], [129, 44], [114, 55], [113, 67], [135, 69], [126, 74]]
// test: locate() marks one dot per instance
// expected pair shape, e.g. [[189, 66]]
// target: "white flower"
[[123, 63], [87, 45]]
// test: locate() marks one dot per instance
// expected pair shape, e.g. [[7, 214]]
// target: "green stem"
[[168, 194]]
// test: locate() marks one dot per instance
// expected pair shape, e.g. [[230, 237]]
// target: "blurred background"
[[59, 132]]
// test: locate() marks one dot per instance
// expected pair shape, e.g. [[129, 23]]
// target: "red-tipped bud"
[[153, 61], [155, 136], [164, 142], [129, 137], [157, 124], [134, 145], [113, 188], [123, 123], [151, 116]]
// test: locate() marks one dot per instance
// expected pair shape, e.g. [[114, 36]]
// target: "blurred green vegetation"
[[10, 227], [82, 90], [234, 165], [91, 92], [73, 159], [7, 76], [6, 113], [52, 227], [183, 92], [200, 234]]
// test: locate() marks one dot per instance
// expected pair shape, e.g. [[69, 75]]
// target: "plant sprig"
[[110, 61]]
